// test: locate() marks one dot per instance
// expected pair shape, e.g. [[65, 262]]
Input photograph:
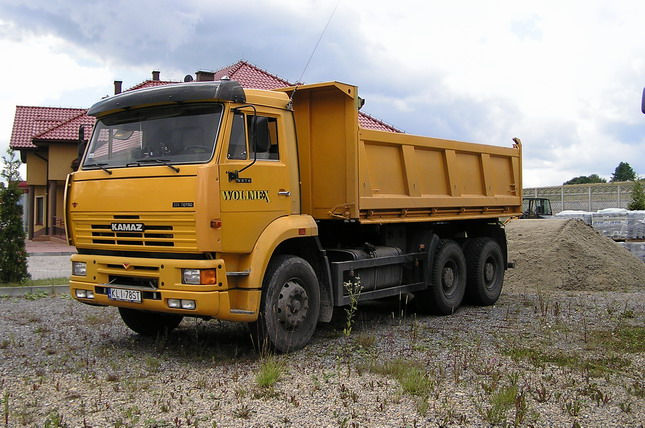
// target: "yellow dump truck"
[[209, 200]]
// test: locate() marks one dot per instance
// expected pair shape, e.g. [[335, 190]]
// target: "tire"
[[447, 281], [485, 271], [290, 305], [149, 323]]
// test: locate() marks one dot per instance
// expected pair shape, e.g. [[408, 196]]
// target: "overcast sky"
[[564, 76]]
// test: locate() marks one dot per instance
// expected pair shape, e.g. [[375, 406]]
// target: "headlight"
[[79, 268], [190, 276], [199, 276]]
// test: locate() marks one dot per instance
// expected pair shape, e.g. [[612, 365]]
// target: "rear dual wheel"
[[447, 281], [485, 271]]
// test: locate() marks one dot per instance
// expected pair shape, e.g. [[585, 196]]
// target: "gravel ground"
[[554, 359]]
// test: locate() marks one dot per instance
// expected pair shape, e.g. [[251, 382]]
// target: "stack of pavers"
[[626, 227], [611, 222], [635, 233]]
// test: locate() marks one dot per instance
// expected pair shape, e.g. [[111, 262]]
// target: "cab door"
[[255, 182]]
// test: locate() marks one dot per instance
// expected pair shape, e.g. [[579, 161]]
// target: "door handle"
[[284, 193]]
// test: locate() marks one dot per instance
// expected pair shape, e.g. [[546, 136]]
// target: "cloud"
[[564, 77]]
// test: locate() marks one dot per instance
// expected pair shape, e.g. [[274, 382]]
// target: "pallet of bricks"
[[623, 226]]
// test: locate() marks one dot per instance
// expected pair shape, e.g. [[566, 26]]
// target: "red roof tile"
[[33, 121], [251, 76], [68, 130], [150, 84]]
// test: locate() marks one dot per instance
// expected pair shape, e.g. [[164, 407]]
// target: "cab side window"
[[242, 143], [237, 144]]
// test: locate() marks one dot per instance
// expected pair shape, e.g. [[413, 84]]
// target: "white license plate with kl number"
[[122, 295]]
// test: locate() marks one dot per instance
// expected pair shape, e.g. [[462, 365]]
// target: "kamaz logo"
[[128, 227]]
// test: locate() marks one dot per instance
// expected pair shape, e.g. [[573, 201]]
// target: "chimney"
[[205, 76], [155, 74], [117, 86]]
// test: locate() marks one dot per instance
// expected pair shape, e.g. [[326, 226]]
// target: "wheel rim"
[[490, 272], [293, 305], [449, 278]]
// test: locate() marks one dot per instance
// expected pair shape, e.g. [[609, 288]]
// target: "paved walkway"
[[48, 248], [49, 259]]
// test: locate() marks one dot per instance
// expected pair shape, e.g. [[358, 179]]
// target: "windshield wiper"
[[100, 165], [160, 161]]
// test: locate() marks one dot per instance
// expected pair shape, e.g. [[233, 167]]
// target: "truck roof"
[[226, 90]]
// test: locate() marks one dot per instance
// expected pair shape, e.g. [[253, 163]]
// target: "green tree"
[[13, 255], [638, 197], [586, 179], [623, 172]]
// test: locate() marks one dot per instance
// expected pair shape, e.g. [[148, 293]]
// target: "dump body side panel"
[[374, 176], [409, 178]]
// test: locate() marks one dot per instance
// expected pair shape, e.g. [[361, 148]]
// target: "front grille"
[[154, 235], [172, 230]]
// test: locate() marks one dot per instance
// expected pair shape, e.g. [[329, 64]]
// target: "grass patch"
[[595, 366], [412, 377], [270, 372], [36, 282], [623, 339]]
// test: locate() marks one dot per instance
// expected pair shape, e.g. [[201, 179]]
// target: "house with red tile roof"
[[48, 137]]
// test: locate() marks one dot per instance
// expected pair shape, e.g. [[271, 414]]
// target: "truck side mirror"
[[82, 145]]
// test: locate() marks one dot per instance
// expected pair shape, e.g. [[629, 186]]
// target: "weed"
[[573, 407], [5, 408], [625, 406], [152, 363], [35, 296], [270, 372], [500, 402], [637, 389], [365, 341], [354, 290], [521, 409], [54, 420], [243, 412], [541, 394]]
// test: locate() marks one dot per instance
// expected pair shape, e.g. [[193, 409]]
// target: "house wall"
[[60, 160], [36, 170]]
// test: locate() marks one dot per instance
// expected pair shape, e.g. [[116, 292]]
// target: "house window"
[[40, 210]]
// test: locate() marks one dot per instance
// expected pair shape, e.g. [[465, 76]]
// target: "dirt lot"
[[564, 345]]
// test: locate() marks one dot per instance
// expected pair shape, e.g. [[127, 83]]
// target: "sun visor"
[[224, 90]]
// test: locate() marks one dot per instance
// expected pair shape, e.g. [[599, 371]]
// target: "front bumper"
[[160, 280]]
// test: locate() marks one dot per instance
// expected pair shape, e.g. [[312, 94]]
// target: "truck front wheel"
[[290, 305], [485, 271], [447, 281], [149, 323]]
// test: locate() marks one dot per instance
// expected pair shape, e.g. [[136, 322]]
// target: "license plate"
[[122, 295]]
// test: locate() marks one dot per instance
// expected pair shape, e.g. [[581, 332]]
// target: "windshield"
[[171, 134]]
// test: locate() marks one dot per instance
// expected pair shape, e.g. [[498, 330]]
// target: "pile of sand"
[[568, 255]]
